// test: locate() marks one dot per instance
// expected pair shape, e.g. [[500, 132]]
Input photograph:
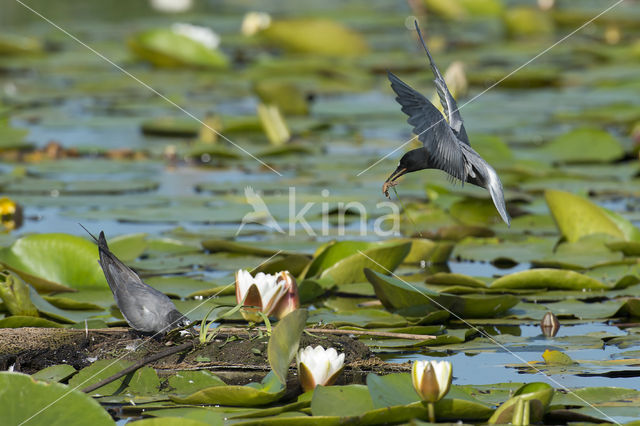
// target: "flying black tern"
[[145, 308], [445, 144]]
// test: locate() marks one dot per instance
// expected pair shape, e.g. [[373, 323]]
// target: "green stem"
[[432, 412]]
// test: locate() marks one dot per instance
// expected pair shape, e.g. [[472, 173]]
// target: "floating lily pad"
[[350, 400], [548, 279], [55, 373], [188, 382], [315, 36], [165, 48], [23, 399], [253, 394], [75, 264], [397, 294], [382, 258], [98, 371]]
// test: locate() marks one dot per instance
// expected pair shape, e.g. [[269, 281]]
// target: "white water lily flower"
[[254, 22], [202, 35], [274, 295], [318, 367], [431, 379]]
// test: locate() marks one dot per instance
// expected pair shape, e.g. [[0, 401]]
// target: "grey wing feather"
[[446, 99], [432, 129]]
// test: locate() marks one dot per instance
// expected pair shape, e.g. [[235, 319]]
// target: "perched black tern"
[[145, 308], [445, 144]]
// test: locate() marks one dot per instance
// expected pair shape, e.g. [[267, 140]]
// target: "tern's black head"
[[412, 161]]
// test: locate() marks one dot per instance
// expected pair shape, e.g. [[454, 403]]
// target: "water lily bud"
[[15, 295], [275, 295], [431, 379], [254, 22], [318, 367], [549, 324]]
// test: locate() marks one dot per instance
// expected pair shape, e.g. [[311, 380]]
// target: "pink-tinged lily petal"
[[290, 301], [306, 378], [252, 304]]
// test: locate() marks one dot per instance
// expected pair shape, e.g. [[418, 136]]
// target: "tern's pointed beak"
[[395, 175], [391, 179]]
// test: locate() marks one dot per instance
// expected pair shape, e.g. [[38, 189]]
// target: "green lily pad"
[[315, 36], [548, 279], [397, 294], [16, 321], [350, 400], [98, 371], [188, 382], [584, 145], [351, 269], [253, 394], [368, 318], [177, 421], [165, 48], [284, 342], [22, 400], [55, 373], [128, 247], [396, 389], [75, 264], [577, 217]]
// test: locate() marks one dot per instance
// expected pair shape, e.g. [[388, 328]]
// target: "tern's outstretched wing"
[[432, 129], [446, 99]]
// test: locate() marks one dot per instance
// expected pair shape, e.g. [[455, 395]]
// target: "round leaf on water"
[[165, 48], [385, 258], [391, 389], [17, 321], [172, 421], [253, 394], [144, 381], [55, 261], [424, 250], [556, 279], [316, 36], [98, 371], [54, 373], [397, 294], [556, 358], [447, 278], [128, 247], [188, 382], [21, 397], [350, 400], [632, 307], [284, 342], [329, 254], [584, 145], [576, 216]]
